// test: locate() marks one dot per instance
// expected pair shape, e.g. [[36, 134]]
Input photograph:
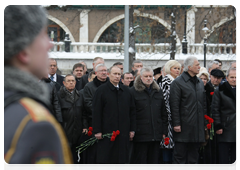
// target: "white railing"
[[78, 47], [212, 49]]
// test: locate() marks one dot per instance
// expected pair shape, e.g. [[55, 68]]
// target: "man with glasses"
[[88, 93]]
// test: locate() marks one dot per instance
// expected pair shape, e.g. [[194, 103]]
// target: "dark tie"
[[51, 78]]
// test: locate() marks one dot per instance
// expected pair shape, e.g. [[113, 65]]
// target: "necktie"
[[51, 78]]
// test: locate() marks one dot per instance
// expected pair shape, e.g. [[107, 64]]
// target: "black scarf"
[[192, 79], [68, 93], [98, 82]]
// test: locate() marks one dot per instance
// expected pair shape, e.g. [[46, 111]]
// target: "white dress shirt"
[[54, 77]]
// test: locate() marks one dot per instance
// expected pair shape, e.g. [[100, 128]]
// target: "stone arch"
[[223, 21], [64, 27], [153, 17]]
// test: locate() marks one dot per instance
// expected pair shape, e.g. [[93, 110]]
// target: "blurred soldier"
[[188, 106], [53, 72], [113, 109], [224, 115], [127, 78], [151, 118], [31, 134], [78, 71], [74, 117], [84, 79]]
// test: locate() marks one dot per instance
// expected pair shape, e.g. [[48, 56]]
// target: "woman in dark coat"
[[113, 109], [207, 153]]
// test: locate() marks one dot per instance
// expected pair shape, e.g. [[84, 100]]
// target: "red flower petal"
[[206, 117], [114, 134], [117, 132], [209, 126], [211, 93], [166, 142], [112, 138], [210, 120], [90, 129], [166, 139], [89, 133]]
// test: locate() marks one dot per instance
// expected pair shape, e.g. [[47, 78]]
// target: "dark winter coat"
[[74, 119], [113, 110], [60, 80], [84, 80], [224, 112], [55, 106], [208, 89], [188, 106], [151, 116], [88, 93]]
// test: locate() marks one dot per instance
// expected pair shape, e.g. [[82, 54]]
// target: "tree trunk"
[[173, 35], [131, 37]]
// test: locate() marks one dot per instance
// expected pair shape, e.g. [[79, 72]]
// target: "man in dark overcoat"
[[224, 115], [74, 117], [151, 118], [188, 106], [113, 109]]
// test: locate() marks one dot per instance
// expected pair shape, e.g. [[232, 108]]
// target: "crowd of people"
[[163, 114]]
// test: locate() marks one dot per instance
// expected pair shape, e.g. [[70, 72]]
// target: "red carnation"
[[206, 117], [112, 138], [114, 134], [166, 139], [89, 133], [210, 120], [166, 142], [209, 126], [211, 93], [90, 129], [117, 132]]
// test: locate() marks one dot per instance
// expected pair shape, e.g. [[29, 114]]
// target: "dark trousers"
[[145, 152], [108, 166], [185, 153], [227, 152], [92, 157]]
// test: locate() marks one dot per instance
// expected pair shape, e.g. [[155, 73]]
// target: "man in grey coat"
[[188, 106]]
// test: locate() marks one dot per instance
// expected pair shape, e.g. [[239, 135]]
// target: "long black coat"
[[74, 117], [188, 106], [151, 115], [113, 110], [224, 112], [55, 106]]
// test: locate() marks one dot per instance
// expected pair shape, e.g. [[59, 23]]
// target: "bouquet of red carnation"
[[210, 120], [83, 146], [166, 141]]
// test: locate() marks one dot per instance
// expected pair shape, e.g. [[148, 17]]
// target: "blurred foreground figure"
[[31, 134]]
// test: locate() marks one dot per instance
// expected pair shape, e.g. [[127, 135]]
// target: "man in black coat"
[[113, 109], [55, 106], [151, 118], [74, 119], [224, 115], [88, 93], [215, 78], [84, 79], [188, 106], [52, 73]]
